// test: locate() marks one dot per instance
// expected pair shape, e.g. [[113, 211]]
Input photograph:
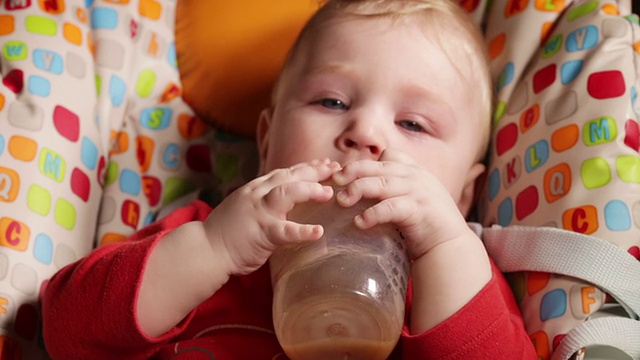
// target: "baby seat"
[[102, 107]]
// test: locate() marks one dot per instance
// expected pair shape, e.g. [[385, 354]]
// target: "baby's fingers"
[[284, 197], [316, 170], [388, 211], [371, 168], [379, 187], [390, 154], [287, 232]]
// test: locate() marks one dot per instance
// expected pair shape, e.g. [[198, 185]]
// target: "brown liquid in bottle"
[[341, 349], [335, 334]]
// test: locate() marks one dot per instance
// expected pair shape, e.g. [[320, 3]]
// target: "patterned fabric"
[[94, 139], [565, 142]]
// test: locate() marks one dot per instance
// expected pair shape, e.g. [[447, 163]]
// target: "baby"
[[390, 99]]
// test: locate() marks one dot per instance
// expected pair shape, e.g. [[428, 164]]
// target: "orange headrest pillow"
[[230, 52]]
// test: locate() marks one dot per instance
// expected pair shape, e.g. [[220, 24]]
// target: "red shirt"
[[89, 313]]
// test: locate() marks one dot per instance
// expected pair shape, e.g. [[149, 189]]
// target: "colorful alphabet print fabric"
[[565, 142], [94, 139]]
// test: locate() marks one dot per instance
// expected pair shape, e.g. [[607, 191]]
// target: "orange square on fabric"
[[583, 219], [550, 5], [14, 234]]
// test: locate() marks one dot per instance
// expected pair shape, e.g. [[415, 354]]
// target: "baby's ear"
[[262, 134], [473, 184]]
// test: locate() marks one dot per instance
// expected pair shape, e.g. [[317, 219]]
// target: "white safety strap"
[[601, 263], [618, 332], [552, 250]]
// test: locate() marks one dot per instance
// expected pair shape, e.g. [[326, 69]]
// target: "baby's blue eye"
[[411, 125], [333, 104]]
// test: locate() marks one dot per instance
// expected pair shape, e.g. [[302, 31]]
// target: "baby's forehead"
[[450, 31], [440, 28]]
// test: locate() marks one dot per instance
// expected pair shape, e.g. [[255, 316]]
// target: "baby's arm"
[[461, 306], [489, 326], [450, 263], [131, 297], [236, 239], [446, 278], [88, 307]]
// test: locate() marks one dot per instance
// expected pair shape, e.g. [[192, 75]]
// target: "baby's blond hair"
[[455, 33]]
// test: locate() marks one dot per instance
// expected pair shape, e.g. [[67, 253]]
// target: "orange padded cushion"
[[230, 52]]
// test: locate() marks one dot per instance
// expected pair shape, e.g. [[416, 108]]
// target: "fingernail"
[[342, 197], [338, 178], [359, 221]]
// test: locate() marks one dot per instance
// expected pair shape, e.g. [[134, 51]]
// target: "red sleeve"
[[95, 297], [490, 326]]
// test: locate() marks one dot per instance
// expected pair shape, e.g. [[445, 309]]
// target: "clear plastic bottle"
[[341, 297]]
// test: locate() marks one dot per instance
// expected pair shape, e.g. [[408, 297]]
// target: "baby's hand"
[[409, 196], [252, 221]]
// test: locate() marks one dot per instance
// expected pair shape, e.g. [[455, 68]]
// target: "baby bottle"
[[342, 296]]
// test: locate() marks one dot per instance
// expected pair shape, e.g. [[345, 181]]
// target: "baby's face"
[[357, 87]]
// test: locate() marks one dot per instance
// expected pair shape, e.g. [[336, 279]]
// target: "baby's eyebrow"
[[430, 103], [427, 96], [329, 69], [333, 75], [418, 91]]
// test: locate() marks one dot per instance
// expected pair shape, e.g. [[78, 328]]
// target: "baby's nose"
[[372, 147], [366, 138]]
